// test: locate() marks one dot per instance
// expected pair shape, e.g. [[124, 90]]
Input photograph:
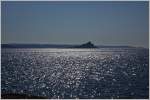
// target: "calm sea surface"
[[76, 73]]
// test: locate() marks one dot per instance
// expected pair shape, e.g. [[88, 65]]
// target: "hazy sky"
[[103, 23]]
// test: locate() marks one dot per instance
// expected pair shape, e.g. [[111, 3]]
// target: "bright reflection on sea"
[[76, 73]]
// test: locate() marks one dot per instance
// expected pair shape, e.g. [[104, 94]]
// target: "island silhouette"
[[86, 45]]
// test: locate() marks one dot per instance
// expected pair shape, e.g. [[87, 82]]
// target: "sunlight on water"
[[76, 73]]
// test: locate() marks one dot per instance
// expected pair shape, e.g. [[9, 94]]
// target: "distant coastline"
[[58, 46]]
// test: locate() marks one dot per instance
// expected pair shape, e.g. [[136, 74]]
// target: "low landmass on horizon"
[[85, 45]]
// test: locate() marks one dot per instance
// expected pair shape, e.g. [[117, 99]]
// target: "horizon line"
[[71, 44]]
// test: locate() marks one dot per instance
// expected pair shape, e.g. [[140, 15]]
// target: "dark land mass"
[[86, 45], [25, 96]]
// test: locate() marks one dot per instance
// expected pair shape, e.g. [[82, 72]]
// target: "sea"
[[102, 73]]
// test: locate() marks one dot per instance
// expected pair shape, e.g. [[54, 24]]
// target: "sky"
[[51, 22]]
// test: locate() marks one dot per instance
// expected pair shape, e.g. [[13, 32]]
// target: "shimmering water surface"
[[76, 73]]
